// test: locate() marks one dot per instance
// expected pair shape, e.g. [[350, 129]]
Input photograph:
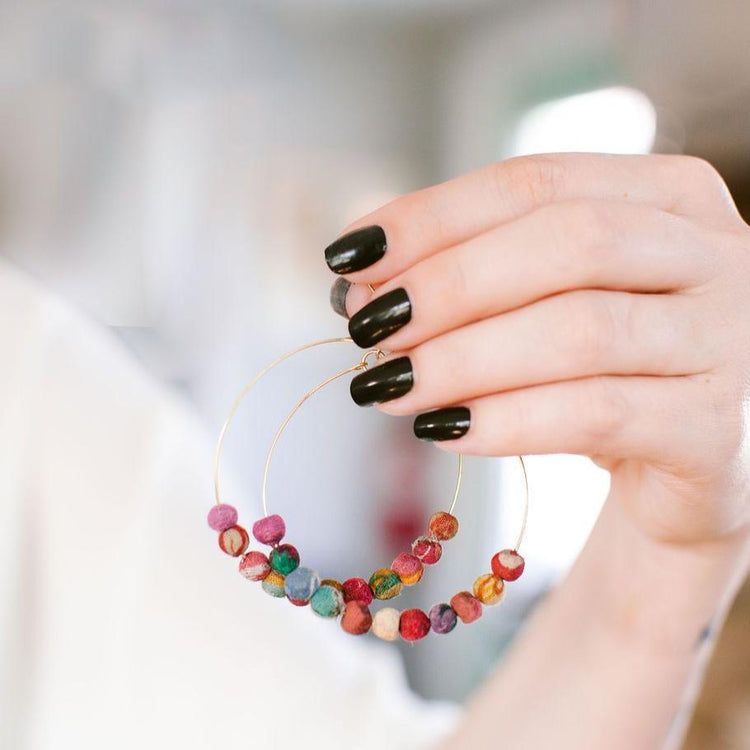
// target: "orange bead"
[[356, 619], [489, 589], [443, 525], [234, 540]]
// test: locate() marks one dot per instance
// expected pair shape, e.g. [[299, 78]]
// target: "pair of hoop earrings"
[[281, 575]]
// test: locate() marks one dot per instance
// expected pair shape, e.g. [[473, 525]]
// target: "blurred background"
[[175, 169]]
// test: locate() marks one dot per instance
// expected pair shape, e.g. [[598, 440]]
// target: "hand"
[[584, 304]]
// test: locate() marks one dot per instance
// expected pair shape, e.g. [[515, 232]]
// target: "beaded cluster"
[[281, 575]]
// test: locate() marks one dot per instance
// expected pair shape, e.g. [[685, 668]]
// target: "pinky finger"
[[655, 419]]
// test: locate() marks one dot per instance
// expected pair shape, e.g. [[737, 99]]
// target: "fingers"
[[417, 225], [559, 247], [570, 335], [639, 417]]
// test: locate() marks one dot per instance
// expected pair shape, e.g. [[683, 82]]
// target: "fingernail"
[[443, 424], [380, 318], [385, 382], [339, 288], [356, 250]]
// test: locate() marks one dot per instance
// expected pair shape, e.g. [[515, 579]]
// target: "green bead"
[[327, 601], [284, 559], [385, 584], [273, 584]]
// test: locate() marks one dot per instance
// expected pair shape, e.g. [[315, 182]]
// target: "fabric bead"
[[327, 601], [222, 516], [443, 525], [269, 530], [385, 623], [489, 589], [508, 565], [273, 584], [357, 590], [413, 624], [357, 618], [467, 606], [443, 618], [300, 585], [284, 559], [234, 540], [408, 568], [254, 566], [385, 584], [332, 582], [427, 550]]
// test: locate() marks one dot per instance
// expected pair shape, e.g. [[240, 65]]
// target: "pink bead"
[[508, 565], [269, 530], [427, 550], [254, 566], [221, 517], [408, 568]]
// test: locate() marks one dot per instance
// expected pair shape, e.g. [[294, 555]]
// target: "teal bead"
[[327, 601], [284, 559]]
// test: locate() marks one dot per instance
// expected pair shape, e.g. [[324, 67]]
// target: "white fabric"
[[121, 623]]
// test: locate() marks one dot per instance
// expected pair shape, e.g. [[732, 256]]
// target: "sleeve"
[[120, 625]]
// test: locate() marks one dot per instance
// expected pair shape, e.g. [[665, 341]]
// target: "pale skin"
[[593, 305]]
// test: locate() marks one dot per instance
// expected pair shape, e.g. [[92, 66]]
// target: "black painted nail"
[[339, 288], [383, 383], [443, 424], [380, 318], [356, 250]]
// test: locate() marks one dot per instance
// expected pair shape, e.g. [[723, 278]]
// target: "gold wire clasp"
[[377, 353]]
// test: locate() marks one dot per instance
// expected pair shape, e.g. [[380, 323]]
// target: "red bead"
[[255, 566], [356, 619], [357, 590], [413, 625], [443, 525], [234, 540], [427, 550], [467, 606], [508, 565]]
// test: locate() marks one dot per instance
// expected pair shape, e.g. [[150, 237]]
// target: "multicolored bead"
[[466, 606], [269, 530], [327, 601], [427, 550], [443, 525], [408, 568], [508, 565], [385, 623], [385, 584], [413, 624], [222, 516], [234, 540], [273, 584], [254, 566], [443, 618], [357, 590], [332, 582], [284, 559], [356, 619], [300, 585], [489, 589]]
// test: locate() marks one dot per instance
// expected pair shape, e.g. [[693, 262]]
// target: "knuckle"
[[588, 229], [537, 180], [586, 328], [606, 411]]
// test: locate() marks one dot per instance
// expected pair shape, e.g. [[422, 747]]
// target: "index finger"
[[419, 224]]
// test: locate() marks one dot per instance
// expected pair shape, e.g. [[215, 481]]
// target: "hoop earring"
[[282, 576]]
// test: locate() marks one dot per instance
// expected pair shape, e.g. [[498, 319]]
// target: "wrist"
[[656, 596]]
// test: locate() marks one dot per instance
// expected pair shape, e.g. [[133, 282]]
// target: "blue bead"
[[301, 584]]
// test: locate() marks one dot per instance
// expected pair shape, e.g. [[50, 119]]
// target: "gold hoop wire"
[[361, 365]]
